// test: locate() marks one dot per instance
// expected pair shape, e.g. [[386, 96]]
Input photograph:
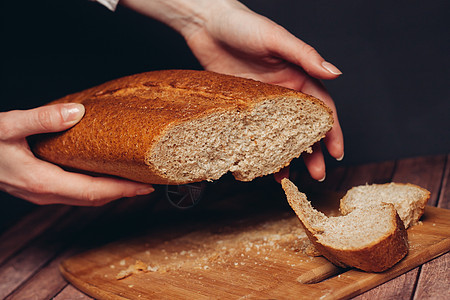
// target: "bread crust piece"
[[376, 256], [126, 119]]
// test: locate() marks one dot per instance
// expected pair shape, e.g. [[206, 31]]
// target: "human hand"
[[27, 177], [240, 42], [227, 37]]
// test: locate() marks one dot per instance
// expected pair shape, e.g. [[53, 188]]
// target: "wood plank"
[[367, 174], [37, 260], [434, 279], [426, 172], [28, 228], [397, 288], [16, 209], [19, 268], [45, 283], [70, 292], [444, 196]]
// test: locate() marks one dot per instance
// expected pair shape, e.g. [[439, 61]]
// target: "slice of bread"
[[408, 199], [371, 238]]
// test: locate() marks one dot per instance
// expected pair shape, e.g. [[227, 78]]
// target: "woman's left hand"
[[240, 42], [227, 37]]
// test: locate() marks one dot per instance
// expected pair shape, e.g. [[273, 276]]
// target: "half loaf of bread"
[[182, 126], [408, 199], [370, 238]]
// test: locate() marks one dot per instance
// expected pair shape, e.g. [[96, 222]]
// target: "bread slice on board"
[[370, 238], [183, 126], [408, 199]]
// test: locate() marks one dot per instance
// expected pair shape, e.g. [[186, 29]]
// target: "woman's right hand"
[[27, 177]]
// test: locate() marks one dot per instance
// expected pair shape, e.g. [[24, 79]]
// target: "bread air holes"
[[250, 143]]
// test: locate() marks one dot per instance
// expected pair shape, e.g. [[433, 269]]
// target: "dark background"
[[393, 98]]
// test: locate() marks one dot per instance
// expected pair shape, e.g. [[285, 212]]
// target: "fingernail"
[[331, 68], [323, 178], [72, 112], [340, 158], [145, 191]]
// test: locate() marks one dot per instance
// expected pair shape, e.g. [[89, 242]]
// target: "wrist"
[[185, 16]]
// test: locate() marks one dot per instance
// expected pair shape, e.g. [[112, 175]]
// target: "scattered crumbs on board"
[[226, 246], [137, 267]]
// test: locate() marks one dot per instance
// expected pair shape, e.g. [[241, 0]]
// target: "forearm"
[[185, 16]]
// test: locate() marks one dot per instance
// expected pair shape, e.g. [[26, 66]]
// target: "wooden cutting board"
[[241, 248]]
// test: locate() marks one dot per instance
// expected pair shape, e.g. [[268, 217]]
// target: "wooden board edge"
[[352, 287], [85, 287], [368, 281]]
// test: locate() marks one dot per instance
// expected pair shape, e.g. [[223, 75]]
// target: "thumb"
[[44, 119]]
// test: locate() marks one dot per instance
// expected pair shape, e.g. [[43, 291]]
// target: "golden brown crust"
[[378, 257], [117, 141]]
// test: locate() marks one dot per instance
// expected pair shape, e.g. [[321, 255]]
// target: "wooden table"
[[35, 239]]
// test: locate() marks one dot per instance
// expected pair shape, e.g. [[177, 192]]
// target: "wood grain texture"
[[235, 272], [46, 282], [444, 194], [24, 269], [434, 279], [42, 250], [70, 292], [29, 227], [426, 172], [367, 174]]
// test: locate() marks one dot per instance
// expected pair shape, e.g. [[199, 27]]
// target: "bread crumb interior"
[[248, 143], [405, 199], [357, 229]]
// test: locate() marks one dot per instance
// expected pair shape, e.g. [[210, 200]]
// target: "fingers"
[[334, 140], [48, 184], [52, 118], [315, 163], [25, 176], [94, 191], [288, 47], [283, 173]]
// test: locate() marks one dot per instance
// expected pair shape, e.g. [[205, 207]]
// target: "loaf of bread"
[[408, 199], [371, 238], [183, 126]]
